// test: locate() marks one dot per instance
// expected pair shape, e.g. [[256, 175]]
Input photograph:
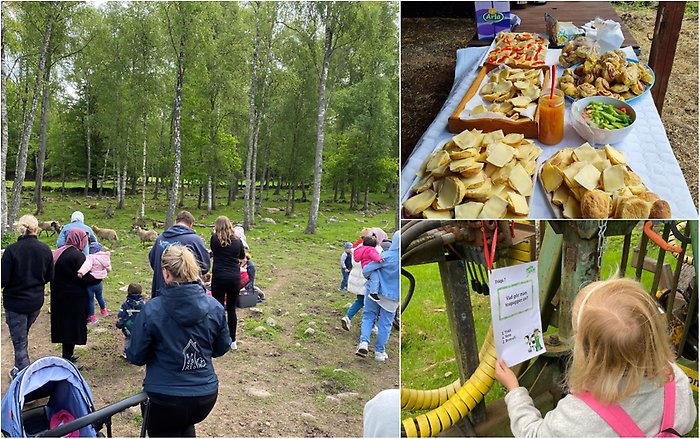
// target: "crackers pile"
[[476, 175], [597, 183], [511, 92]]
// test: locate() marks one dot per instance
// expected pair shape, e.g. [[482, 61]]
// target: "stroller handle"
[[96, 416]]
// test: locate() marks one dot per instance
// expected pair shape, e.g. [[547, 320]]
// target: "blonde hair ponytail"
[[620, 339], [27, 225], [180, 263]]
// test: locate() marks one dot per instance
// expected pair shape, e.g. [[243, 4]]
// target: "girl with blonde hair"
[[27, 265], [622, 364], [228, 251], [176, 335]]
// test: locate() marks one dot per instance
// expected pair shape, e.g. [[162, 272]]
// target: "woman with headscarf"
[[227, 249], [69, 295]]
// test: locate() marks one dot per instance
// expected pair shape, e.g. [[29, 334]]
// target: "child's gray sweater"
[[573, 418]]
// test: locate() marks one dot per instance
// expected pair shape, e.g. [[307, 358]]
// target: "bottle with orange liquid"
[[551, 124]]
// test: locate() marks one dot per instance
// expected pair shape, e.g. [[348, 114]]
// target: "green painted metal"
[[579, 268]]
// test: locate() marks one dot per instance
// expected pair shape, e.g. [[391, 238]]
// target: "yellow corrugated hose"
[[450, 403]]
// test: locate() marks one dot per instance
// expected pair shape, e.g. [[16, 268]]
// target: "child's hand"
[[506, 376], [381, 260], [80, 275]]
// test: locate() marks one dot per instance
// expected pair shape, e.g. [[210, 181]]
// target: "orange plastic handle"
[[656, 239]]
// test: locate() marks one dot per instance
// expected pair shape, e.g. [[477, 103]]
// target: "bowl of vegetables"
[[602, 120]]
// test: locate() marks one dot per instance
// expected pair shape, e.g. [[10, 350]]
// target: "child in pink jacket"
[[365, 254], [98, 264]]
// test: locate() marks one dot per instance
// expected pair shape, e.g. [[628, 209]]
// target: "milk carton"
[[491, 18]]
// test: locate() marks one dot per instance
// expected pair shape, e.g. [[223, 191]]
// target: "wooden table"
[[579, 13]]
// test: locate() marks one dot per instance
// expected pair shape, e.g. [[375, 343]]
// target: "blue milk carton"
[[491, 18]]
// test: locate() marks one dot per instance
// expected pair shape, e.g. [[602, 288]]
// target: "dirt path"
[[280, 382]]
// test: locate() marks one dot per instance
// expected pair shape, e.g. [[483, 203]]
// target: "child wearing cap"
[[127, 313], [345, 265], [98, 263]]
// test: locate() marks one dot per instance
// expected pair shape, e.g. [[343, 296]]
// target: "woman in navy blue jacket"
[[176, 335]]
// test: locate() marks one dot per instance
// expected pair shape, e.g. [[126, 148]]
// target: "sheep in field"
[[105, 234], [49, 226], [146, 235]]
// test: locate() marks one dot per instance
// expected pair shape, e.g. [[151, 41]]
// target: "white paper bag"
[[607, 33]]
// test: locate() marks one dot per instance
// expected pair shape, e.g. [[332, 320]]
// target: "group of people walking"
[[175, 334]]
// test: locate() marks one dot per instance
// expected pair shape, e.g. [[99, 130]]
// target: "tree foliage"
[[114, 70]]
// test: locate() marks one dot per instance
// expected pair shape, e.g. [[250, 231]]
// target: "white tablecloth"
[[646, 148]]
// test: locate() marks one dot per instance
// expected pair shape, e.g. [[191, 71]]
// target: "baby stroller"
[[58, 381]]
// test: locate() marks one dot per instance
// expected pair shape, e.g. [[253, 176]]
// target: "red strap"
[[669, 405], [489, 257], [614, 415]]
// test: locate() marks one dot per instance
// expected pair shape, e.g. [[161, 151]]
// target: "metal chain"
[[537, 240], [602, 227]]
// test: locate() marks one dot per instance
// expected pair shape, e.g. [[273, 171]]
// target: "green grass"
[[691, 8], [336, 380], [427, 353], [273, 246]]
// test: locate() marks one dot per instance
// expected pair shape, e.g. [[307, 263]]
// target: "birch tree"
[[21, 165]]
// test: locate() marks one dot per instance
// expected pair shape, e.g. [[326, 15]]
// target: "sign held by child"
[[515, 313]]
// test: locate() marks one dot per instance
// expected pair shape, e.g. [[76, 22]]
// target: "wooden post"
[[669, 17], [455, 287]]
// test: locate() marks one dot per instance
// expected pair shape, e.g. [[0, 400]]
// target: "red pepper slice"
[[623, 109]]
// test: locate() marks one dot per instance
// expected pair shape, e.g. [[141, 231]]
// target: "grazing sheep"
[[49, 226], [145, 235], [105, 234]]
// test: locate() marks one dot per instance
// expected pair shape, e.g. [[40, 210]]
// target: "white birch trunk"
[[176, 136], [320, 121], [5, 133], [39, 181], [87, 122], [143, 168], [251, 123], [21, 167]]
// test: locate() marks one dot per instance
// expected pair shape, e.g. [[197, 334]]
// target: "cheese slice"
[[560, 196], [572, 209], [518, 203], [420, 202], [520, 180], [437, 160], [585, 153], [460, 165], [466, 139], [614, 178], [437, 214], [500, 154], [480, 192], [551, 179], [473, 181], [492, 137], [513, 138], [495, 207], [468, 210], [615, 156]]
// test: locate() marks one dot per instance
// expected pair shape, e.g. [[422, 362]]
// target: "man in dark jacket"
[[27, 265], [180, 233]]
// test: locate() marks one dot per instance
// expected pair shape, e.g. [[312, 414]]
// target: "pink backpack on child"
[[624, 426]]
